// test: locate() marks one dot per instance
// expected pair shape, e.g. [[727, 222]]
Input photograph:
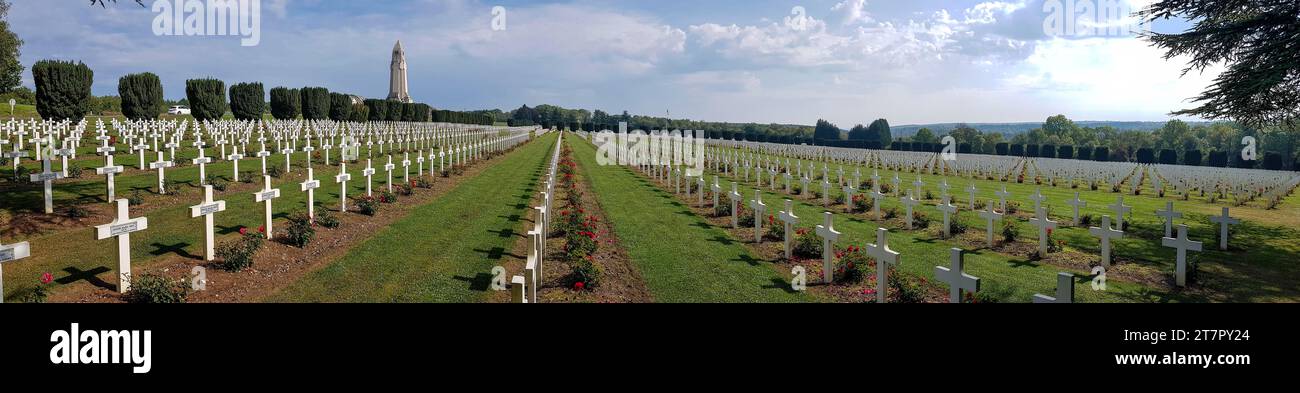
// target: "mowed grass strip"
[[443, 251], [682, 257]]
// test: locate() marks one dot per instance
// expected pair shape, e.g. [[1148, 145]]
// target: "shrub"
[[387, 197], [746, 218], [301, 230], [852, 263], [368, 205], [247, 101], [75, 171], [580, 244], [135, 199], [247, 177], [906, 289], [920, 219], [207, 98], [286, 103], [237, 255], [861, 203], [154, 289], [586, 273], [423, 182], [217, 182], [340, 107], [315, 103], [722, 209], [958, 227], [142, 96], [1013, 207], [806, 243], [1009, 230], [405, 189], [62, 89], [173, 186], [326, 218], [76, 211], [274, 170]]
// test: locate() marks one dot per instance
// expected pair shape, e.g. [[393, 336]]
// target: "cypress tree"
[[247, 100], [62, 89], [286, 103], [142, 96], [207, 98]]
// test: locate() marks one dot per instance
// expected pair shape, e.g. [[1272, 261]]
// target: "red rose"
[[261, 229], [578, 286], [243, 231], [46, 278]]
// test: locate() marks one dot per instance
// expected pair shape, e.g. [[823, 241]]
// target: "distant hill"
[[1010, 129]]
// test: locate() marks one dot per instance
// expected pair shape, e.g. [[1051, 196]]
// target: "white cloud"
[[853, 11]]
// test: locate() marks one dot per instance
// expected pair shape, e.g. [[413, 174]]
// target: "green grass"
[[441, 252], [1267, 273], [682, 257]]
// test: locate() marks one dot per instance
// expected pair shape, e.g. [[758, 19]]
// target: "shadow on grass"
[[479, 283], [91, 276]]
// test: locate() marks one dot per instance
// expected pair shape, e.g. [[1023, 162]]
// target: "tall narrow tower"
[[398, 89]]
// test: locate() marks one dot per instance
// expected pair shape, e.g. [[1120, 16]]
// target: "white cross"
[[787, 216], [122, 227], [202, 161], [1064, 290], [1002, 199], [948, 210], [342, 179], [1106, 233], [1120, 210], [288, 153], [760, 209], [956, 278], [735, 196], [972, 190], [234, 158], [717, 189], [917, 186], [1076, 203], [829, 235], [406, 168], [160, 165], [48, 177], [310, 186], [1182, 244], [389, 168], [266, 195], [1038, 199], [206, 209], [826, 193], [109, 170], [10, 253], [884, 256], [1169, 215], [1224, 221], [369, 173], [990, 215], [1044, 224], [909, 202]]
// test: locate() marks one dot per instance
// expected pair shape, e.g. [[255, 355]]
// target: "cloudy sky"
[[849, 61]]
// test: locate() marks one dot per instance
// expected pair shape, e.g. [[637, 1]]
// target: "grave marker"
[[121, 228], [829, 235], [884, 256], [956, 278], [206, 209]]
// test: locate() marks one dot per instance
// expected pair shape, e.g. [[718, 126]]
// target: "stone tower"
[[398, 90]]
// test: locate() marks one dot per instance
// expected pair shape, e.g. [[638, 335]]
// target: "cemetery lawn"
[[682, 257], [442, 251], [1267, 273]]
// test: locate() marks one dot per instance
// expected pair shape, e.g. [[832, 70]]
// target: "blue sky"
[[849, 61]]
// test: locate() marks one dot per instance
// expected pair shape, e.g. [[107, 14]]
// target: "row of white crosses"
[[467, 140], [524, 287]]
